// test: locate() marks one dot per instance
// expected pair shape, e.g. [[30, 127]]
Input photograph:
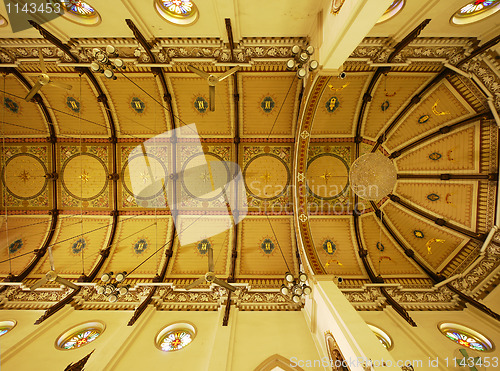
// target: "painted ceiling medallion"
[[423, 119], [267, 104], [15, 246], [433, 197], [11, 105], [78, 246], [385, 106], [80, 12], [332, 104], [329, 247], [200, 104], [267, 246], [475, 11], [380, 247], [181, 12], [434, 156], [73, 104], [203, 246], [418, 234], [137, 105], [140, 246]]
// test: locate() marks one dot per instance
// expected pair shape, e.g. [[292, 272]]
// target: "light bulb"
[[289, 277], [106, 277], [95, 67], [297, 290], [303, 57], [119, 63], [301, 73], [109, 74], [123, 290], [99, 289], [295, 49], [310, 50], [109, 289], [290, 64], [306, 289], [314, 64], [284, 290], [302, 277], [120, 276], [296, 299], [112, 298]]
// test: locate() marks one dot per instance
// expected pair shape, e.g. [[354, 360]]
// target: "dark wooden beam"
[[408, 252], [490, 177], [479, 50], [439, 221], [442, 131], [466, 298], [55, 41], [58, 306], [142, 40], [142, 307], [229, 30], [407, 40], [397, 307]]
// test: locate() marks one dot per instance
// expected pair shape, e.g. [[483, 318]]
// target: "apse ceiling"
[[71, 166]]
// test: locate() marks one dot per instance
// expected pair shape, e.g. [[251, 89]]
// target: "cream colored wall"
[[425, 341], [250, 338]]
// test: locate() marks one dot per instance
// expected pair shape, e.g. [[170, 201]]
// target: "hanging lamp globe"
[[372, 176]]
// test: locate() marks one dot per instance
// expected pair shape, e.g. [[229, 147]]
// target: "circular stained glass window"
[[80, 12], [466, 337], [182, 12], [80, 335], [6, 326], [383, 337], [175, 337], [392, 10], [475, 11]]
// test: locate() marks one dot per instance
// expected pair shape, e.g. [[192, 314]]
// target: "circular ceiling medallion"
[[475, 11], [266, 176], [84, 176], [205, 176], [180, 12], [373, 176], [327, 176], [24, 176], [150, 171], [392, 10], [80, 12]]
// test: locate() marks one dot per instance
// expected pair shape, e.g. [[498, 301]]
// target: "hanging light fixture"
[[297, 287], [373, 176], [111, 288], [106, 61], [302, 60]]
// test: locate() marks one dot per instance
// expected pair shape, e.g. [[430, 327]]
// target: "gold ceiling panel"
[[453, 201], [138, 105], [456, 151], [21, 118], [76, 235], [391, 94], [76, 111], [338, 106], [335, 244], [192, 259], [155, 165], [440, 107], [24, 168], [259, 249], [25, 234], [423, 236], [191, 104], [261, 100], [136, 239], [84, 169], [386, 257], [267, 173]]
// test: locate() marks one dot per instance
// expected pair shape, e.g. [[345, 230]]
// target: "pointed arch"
[[277, 360]]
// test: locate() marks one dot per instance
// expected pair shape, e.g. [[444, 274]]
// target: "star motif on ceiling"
[[326, 175], [266, 177], [304, 134], [303, 218], [84, 177], [300, 177], [205, 176], [24, 176]]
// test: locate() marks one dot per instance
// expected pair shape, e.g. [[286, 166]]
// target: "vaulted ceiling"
[[68, 173]]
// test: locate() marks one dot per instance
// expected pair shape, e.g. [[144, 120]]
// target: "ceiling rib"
[[363, 254], [57, 306], [442, 131], [491, 176], [439, 221]]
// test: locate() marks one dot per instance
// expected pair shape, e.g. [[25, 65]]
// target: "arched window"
[[466, 337], [175, 337], [182, 12], [6, 326], [392, 10], [383, 337], [80, 12], [80, 335], [475, 11]]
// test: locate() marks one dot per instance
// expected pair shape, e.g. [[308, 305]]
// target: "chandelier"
[[372, 176], [111, 287], [301, 60], [297, 287]]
